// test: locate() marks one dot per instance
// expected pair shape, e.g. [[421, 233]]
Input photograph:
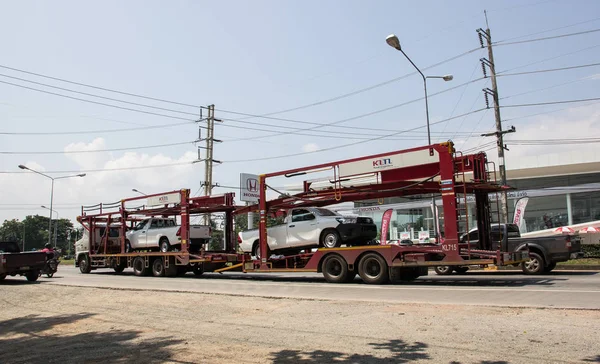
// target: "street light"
[[140, 192], [55, 225], [393, 41], [51, 194]]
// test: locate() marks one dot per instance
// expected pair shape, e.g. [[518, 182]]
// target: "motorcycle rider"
[[48, 250]]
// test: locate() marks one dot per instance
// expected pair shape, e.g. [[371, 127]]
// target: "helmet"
[[48, 245]]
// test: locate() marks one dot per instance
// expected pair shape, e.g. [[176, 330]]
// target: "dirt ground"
[[53, 324]]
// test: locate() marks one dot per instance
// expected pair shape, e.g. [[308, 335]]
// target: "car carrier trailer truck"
[[433, 169]]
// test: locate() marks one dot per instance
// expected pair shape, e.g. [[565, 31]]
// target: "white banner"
[[249, 187], [518, 218], [164, 199]]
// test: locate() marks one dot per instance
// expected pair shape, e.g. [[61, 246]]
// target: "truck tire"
[[330, 239], [158, 267], [535, 264], [164, 245], [373, 269], [443, 270], [550, 267], [84, 264], [119, 268], [335, 269], [32, 275], [256, 250], [198, 269], [461, 270], [139, 267]]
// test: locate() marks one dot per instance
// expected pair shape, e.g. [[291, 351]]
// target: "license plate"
[[24, 268]]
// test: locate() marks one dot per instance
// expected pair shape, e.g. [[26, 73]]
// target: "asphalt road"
[[561, 289]]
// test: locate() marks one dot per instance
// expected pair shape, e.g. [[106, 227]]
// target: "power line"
[[101, 88], [548, 88], [549, 70], [349, 144], [298, 131], [110, 169], [548, 30], [353, 92], [549, 59], [553, 102], [98, 96], [548, 38], [550, 112], [100, 150], [96, 102], [95, 131]]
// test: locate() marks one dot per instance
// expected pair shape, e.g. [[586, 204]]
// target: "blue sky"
[[260, 57]]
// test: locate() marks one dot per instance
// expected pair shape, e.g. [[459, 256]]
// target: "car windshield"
[[325, 212]]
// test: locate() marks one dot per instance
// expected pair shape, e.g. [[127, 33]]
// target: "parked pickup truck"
[[310, 227], [164, 234], [13, 262], [544, 252]]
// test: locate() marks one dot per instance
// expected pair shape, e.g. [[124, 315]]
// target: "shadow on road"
[[16, 281], [393, 351], [465, 280], [42, 339], [595, 359]]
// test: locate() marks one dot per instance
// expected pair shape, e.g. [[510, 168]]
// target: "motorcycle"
[[50, 268]]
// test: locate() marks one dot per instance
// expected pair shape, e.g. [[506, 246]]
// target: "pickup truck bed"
[[13, 262]]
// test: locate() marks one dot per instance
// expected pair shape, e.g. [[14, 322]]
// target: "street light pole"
[[51, 194], [55, 225], [393, 41], [140, 192]]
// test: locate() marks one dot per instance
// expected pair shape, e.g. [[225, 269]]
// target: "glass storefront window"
[[546, 212], [585, 207]]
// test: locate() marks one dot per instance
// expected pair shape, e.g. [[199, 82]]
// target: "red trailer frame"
[[429, 169], [400, 173], [178, 204]]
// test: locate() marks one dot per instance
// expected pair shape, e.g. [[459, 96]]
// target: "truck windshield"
[[325, 212]]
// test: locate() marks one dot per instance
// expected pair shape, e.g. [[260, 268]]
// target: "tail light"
[[568, 243], [178, 233], [239, 240]]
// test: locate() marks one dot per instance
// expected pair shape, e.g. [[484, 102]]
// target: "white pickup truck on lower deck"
[[164, 234]]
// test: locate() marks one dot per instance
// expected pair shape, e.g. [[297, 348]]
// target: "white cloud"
[[310, 147], [87, 160]]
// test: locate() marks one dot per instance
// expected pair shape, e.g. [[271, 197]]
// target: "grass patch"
[[70, 262], [584, 261]]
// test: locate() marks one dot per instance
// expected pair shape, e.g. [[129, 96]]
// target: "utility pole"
[[489, 63], [209, 160]]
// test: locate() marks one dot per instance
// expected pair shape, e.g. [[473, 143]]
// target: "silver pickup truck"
[[164, 234]]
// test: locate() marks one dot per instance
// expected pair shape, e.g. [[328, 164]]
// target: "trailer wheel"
[[164, 245], [330, 239], [443, 270], [335, 269], [158, 267], [32, 275], [139, 267], [119, 268], [461, 270], [535, 264], [198, 269], [373, 269], [84, 264]]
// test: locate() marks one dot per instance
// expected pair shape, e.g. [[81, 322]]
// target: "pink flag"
[[385, 223]]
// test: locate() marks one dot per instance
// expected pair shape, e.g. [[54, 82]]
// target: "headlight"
[[341, 220]]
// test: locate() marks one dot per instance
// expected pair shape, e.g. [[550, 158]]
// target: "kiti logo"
[[382, 163], [163, 198]]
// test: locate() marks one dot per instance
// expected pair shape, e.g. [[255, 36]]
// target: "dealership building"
[[561, 190]]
